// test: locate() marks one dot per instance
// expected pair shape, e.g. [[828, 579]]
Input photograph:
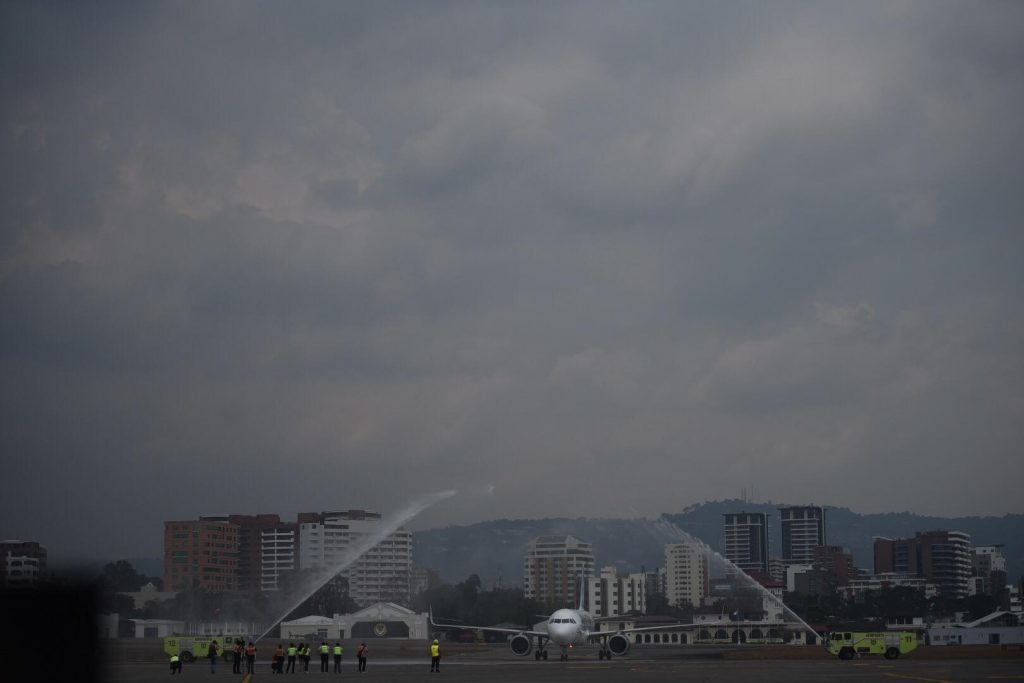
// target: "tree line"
[[468, 602]]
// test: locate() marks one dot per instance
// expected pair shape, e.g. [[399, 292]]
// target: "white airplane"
[[566, 628]]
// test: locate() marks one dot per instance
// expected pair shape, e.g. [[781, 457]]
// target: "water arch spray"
[[668, 532], [360, 548]]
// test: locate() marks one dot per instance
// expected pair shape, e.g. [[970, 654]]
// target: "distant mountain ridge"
[[494, 550]]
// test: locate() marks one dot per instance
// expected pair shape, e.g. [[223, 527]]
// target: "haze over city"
[[574, 258]]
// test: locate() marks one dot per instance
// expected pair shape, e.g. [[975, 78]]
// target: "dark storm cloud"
[[259, 257]]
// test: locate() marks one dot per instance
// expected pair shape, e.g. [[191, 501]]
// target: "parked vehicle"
[[193, 647], [890, 644]]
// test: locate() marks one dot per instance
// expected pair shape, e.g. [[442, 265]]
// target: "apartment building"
[[941, 557], [687, 575], [609, 594], [803, 529], [746, 540], [201, 553], [22, 563], [279, 554], [381, 573], [554, 567]]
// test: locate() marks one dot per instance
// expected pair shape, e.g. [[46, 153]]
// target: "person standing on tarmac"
[[250, 657], [324, 652], [236, 667], [305, 658], [435, 657], [361, 656], [292, 651], [278, 666], [337, 658], [175, 664], [212, 654]]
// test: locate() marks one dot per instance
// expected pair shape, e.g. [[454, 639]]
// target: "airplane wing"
[[492, 629]]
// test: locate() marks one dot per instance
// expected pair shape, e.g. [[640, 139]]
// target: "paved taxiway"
[[660, 670]]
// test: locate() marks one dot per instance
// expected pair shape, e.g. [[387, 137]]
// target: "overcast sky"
[[610, 258]]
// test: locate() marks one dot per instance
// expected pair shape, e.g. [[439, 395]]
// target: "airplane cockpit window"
[[572, 621]]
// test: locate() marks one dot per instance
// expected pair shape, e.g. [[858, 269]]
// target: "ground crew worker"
[[212, 654], [237, 657], [278, 666], [250, 657], [292, 651], [361, 656], [337, 658], [435, 657], [175, 664], [324, 652], [305, 656]]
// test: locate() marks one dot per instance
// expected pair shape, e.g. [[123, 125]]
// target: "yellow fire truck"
[[191, 648], [891, 644]]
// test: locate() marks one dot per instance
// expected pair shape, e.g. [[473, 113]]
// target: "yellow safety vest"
[[174, 659], [435, 650], [291, 652], [324, 649], [337, 649]]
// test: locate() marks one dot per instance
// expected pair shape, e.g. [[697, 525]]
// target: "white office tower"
[[687, 578], [382, 574], [610, 595], [554, 567]]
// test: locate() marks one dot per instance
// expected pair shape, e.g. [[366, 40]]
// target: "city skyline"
[[718, 538], [570, 259]]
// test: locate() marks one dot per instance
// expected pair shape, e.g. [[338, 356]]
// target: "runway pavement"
[[663, 669]]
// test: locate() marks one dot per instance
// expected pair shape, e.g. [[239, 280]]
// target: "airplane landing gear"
[[565, 655], [541, 652]]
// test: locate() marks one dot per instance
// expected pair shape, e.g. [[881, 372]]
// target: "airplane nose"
[[563, 634]]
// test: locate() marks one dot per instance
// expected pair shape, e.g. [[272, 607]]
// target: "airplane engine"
[[618, 645], [521, 644]]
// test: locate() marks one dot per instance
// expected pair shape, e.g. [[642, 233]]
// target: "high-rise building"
[[250, 548], [942, 557], [687, 579], [609, 595], [836, 562], [255, 552], [988, 565], [746, 540], [554, 568], [22, 563], [381, 574], [279, 554], [803, 529], [201, 554]]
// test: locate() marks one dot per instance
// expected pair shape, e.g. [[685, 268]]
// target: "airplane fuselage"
[[570, 627]]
